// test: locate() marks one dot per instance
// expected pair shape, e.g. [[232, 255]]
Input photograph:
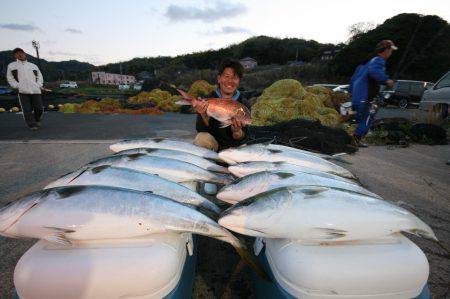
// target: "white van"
[[68, 84]]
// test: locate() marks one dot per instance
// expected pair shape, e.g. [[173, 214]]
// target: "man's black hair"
[[16, 50], [231, 63]]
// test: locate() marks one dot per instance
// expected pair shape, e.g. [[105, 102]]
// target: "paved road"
[[416, 177], [60, 126]]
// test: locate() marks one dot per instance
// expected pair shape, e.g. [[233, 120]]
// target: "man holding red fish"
[[221, 124]]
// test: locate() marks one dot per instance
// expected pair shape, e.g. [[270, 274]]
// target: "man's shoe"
[[362, 144], [358, 142], [38, 124], [33, 128]]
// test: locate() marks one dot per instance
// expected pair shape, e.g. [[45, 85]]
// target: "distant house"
[[248, 63], [329, 54], [111, 79]]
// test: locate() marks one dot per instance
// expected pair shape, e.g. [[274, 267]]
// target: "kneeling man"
[[211, 134]]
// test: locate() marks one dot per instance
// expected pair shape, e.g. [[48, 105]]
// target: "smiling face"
[[228, 82]]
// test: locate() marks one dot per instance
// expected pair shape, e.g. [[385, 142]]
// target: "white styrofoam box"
[[390, 269], [135, 268]]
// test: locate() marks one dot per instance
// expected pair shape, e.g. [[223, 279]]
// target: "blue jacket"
[[374, 70]]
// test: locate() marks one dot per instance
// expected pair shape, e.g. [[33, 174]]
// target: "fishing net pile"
[[164, 100], [304, 134], [287, 100], [201, 88], [105, 106]]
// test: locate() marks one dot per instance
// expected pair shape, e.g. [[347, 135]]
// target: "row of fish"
[[280, 192], [283, 192], [136, 192]]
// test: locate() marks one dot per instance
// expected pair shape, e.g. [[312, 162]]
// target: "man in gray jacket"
[[27, 78]]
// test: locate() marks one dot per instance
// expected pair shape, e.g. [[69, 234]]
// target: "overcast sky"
[[103, 31]]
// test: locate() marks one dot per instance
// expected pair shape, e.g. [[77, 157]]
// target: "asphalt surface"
[[60, 126], [416, 178]]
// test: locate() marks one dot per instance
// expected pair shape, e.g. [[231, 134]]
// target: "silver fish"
[[258, 153], [107, 175], [247, 168], [64, 215], [260, 182], [164, 143], [336, 157], [177, 155], [173, 170], [320, 214]]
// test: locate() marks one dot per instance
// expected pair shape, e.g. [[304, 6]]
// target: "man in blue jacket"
[[364, 86]]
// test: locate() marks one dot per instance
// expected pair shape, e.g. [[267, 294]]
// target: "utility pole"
[[296, 55], [37, 46]]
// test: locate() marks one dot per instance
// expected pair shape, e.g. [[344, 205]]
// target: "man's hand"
[[236, 129], [389, 83], [201, 107]]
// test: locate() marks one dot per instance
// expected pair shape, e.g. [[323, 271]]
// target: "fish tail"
[[443, 247], [243, 252], [184, 94], [210, 210], [251, 261], [339, 158], [424, 232]]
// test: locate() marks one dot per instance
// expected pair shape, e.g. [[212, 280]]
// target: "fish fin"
[[69, 191], [312, 191], [274, 151], [224, 125], [183, 102], [158, 139], [150, 150], [268, 142], [329, 233], [99, 169], [58, 236], [284, 175], [136, 156]]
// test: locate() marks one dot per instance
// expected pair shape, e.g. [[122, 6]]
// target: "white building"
[[111, 79]]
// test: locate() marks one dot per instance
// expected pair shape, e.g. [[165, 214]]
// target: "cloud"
[[227, 30], [220, 10], [62, 53], [231, 30], [73, 30], [20, 27]]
